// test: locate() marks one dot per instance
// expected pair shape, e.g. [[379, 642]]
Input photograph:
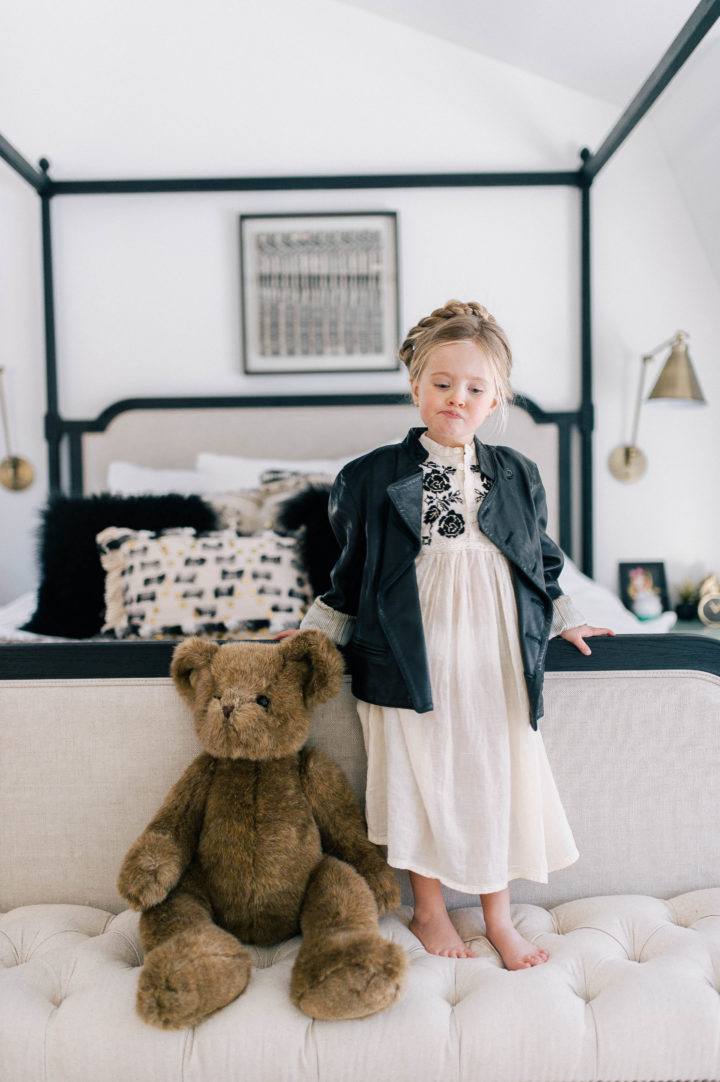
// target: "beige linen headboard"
[[169, 433], [172, 433]]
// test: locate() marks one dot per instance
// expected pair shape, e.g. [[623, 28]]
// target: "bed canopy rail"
[[60, 430]]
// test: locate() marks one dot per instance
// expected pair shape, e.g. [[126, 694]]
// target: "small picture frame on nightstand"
[[643, 588]]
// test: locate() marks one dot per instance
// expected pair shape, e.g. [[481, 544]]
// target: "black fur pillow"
[[71, 597], [317, 545]]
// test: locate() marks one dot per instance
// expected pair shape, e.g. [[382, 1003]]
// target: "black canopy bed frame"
[[152, 658]]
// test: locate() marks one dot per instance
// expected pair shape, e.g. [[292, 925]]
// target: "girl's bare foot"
[[515, 951], [438, 935], [431, 922]]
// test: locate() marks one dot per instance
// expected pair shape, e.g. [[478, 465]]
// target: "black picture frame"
[[319, 292], [643, 587]]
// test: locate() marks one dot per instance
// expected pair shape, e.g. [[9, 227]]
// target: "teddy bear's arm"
[[161, 854], [342, 825]]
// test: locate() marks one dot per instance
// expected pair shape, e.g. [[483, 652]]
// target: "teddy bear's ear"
[[190, 657], [323, 663]]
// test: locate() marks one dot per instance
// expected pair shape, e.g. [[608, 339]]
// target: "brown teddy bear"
[[259, 840]]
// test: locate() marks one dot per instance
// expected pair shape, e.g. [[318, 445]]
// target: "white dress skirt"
[[464, 794]]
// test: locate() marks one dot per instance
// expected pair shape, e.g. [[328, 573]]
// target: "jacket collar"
[[406, 491], [411, 444]]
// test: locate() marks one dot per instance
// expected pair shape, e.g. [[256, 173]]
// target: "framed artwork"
[[319, 292], [643, 588]]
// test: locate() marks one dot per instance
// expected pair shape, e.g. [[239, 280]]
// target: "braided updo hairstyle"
[[457, 321]]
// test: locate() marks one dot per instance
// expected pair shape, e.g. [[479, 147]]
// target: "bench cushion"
[[630, 992]]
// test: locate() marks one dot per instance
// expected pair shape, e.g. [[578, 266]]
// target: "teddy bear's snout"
[[227, 710]]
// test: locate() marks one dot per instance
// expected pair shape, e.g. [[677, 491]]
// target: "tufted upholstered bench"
[[632, 988]]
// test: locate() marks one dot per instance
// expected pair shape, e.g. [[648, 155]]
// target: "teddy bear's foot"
[[190, 976], [349, 975]]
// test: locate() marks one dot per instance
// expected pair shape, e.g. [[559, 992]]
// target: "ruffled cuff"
[[336, 625], [565, 616]]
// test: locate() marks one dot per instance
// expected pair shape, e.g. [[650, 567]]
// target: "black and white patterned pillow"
[[180, 582]]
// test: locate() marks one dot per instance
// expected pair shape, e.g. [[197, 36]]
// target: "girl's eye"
[[262, 700]]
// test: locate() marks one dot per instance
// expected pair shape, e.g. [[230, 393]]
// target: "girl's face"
[[455, 392]]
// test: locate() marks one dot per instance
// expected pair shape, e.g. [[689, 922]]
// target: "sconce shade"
[[677, 379]]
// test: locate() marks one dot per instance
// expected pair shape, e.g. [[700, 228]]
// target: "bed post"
[[587, 419], [53, 432]]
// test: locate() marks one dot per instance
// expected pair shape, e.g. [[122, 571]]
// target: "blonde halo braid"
[[460, 322]]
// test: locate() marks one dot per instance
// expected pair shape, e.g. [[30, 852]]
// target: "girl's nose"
[[457, 398]]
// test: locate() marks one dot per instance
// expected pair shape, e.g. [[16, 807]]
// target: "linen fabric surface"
[[464, 793]]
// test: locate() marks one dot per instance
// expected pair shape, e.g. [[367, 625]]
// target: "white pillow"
[[232, 471], [129, 479], [602, 608]]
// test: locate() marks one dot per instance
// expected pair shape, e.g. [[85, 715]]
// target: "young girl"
[[446, 594]]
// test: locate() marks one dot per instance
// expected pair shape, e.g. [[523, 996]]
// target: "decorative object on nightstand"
[[708, 608], [15, 473], [677, 382], [643, 588], [687, 602]]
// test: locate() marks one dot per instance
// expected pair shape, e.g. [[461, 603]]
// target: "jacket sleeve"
[[334, 612], [565, 614]]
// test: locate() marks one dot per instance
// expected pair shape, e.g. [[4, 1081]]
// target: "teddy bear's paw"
[[150, 871], [349, 976], [187, 979]]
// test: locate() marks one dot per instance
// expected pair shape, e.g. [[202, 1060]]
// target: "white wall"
[[147, 288]]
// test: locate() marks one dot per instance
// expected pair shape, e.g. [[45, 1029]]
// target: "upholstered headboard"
[[169, 433]]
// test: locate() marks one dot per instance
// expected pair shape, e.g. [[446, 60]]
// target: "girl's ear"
[[414, 391]]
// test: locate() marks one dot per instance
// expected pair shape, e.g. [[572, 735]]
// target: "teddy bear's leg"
[[192, 967], [344, 968]]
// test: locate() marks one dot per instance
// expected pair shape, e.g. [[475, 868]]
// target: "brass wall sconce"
[[677, 382], [15, 473]]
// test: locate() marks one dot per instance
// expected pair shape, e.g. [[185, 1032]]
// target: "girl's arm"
[[334, 612]]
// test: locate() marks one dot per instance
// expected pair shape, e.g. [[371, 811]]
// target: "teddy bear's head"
[[255, 700]]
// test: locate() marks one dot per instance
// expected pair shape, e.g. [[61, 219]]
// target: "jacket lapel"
[[403, 539], [406, 497]]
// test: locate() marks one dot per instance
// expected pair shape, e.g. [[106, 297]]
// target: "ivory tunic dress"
[[464, 793]]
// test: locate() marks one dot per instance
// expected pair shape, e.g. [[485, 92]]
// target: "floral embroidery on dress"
[[441, 497], [485, 484]]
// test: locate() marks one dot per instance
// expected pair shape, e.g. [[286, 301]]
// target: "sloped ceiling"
[[607, 49]]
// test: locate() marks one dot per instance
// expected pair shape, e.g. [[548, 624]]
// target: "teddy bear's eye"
[[262, 700]]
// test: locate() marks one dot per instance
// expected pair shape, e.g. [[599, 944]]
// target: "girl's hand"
[[577, 636], [286, 634]]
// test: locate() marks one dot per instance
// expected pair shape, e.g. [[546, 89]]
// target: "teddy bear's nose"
[[227, 710]]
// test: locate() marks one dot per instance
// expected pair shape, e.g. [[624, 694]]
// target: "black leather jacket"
[[375, 512]]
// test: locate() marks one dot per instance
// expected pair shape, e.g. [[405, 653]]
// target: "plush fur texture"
[[71, 599], [260, 839], [318, 547]]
